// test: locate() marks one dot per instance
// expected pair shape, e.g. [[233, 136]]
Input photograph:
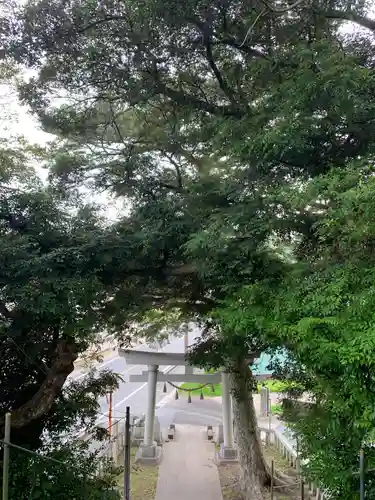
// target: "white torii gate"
[[155, 359], [148, 450]]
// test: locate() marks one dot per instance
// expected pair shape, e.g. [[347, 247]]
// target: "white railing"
[[287, 450], [114, 447]]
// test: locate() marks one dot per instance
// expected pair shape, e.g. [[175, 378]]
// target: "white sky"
[[17, 120]]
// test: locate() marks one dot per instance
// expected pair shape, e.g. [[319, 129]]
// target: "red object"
[[109, 402]]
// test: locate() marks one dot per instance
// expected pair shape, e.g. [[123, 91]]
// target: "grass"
[[229, 475], [281, 464], [206, 390], [276, 409], [272, 384], [143, 479]]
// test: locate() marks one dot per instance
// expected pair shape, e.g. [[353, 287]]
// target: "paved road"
[[198, 412], [130, 393]]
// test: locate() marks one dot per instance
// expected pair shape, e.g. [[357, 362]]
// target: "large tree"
[[207, 118], [57, 283], [47, 317], [321, 309]]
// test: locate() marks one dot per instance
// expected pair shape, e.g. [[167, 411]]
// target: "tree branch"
[[222, 83], [186, 99], [363, 21], [101, 21], [206, 33], [43, 399], [166, 185], [189, 100], [244, 48], [348, 15], [177, 96], [177, 168], [4, 311]]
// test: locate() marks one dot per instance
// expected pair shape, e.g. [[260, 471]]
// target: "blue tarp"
[[260, 366]]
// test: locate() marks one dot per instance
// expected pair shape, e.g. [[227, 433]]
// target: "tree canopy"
[[322, 311], [241, 136]]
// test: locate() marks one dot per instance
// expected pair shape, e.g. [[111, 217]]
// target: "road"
[[130, 393]]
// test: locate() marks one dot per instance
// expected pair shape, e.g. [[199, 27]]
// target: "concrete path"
[[187, 470]]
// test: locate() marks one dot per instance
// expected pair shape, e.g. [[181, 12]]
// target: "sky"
[[17, 120]]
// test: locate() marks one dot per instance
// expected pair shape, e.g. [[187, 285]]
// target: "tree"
[[228, 55], [47, 316], [58, 279], [208, 120], [63, 471], [321, 310]]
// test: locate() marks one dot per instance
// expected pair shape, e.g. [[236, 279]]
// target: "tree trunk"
[[255, 473], [43, 399]]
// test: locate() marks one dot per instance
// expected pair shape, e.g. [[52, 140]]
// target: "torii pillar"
[[149, 452], [228, 452], [151, 405], [188, 368]]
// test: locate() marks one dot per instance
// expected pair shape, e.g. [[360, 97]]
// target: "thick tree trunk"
[[255, 473], [43, 399]]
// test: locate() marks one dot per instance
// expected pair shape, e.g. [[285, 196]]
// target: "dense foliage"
[[49, 313], [241, 136], [322, 310]]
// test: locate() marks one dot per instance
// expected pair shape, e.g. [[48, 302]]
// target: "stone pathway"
[[187, 470]]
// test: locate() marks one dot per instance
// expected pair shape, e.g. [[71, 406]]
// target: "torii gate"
[[148, 450]]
